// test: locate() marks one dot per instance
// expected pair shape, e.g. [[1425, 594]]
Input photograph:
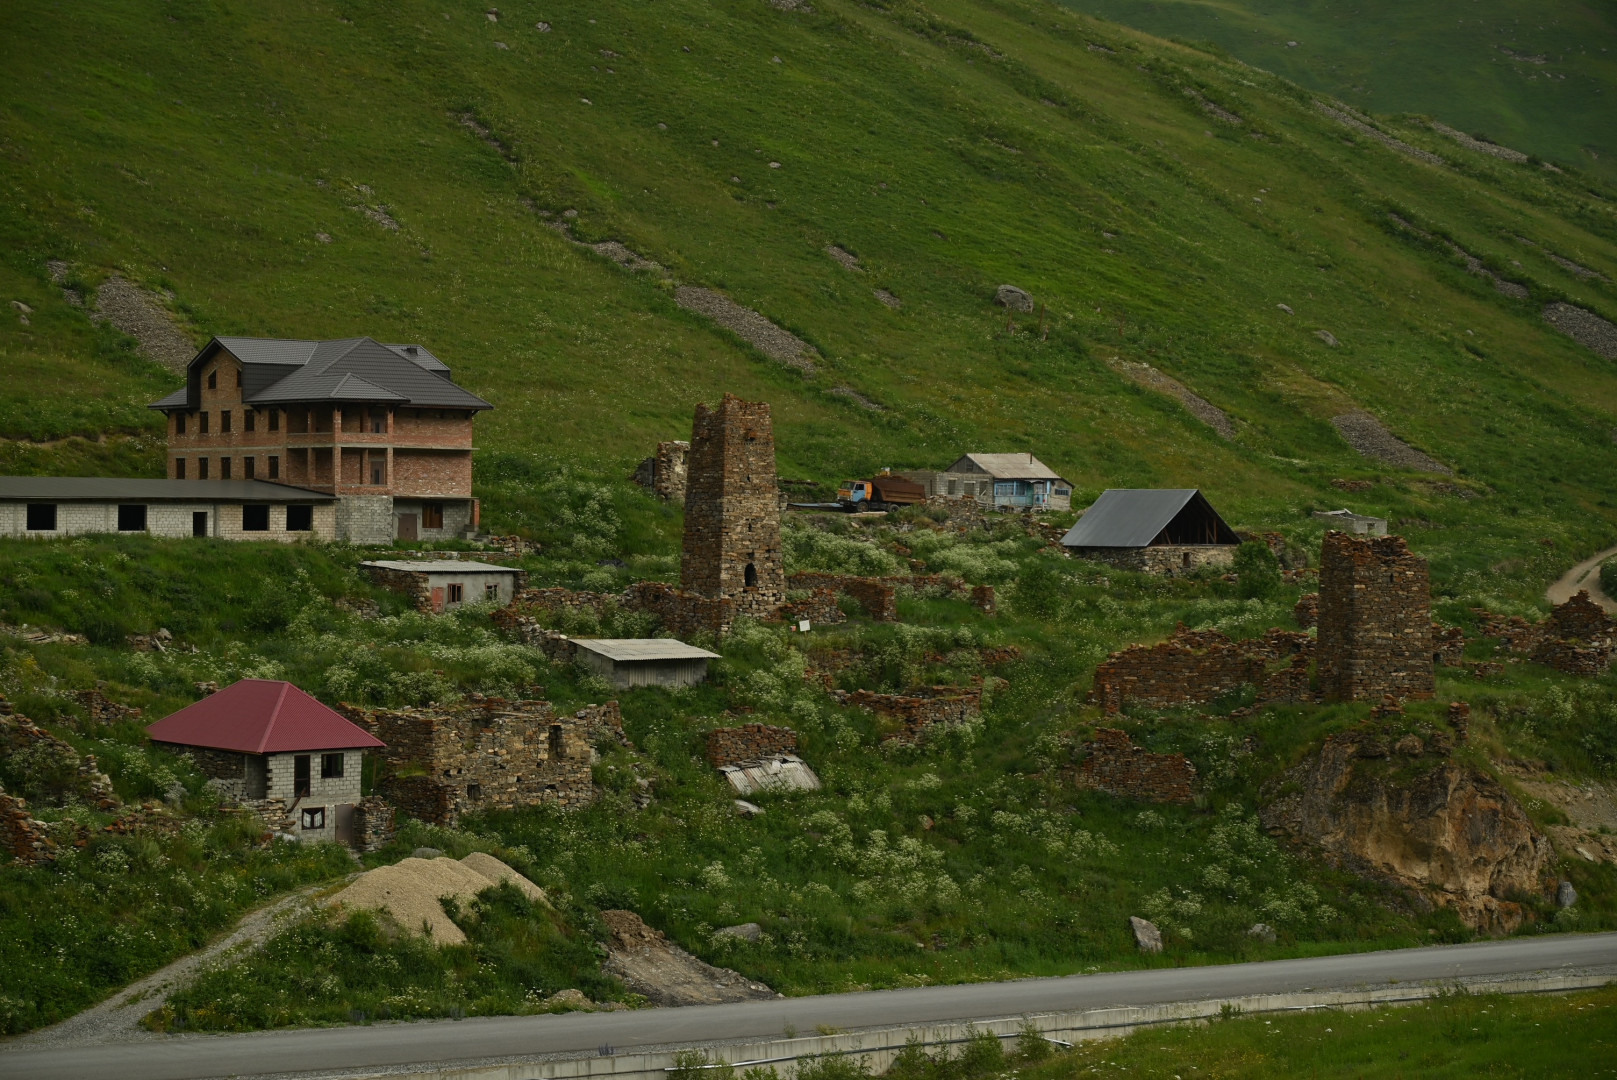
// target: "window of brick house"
[[274, 467], [224, 468], [202, 423], [378, 421], [213, 379], [457, 593], [432, 515], [224, 421], [238, 380], [331, 766], [179, 423], [202, 468], [249, 420], [300, 776], [378, 472], [247, 468], [314, 817], [275, 419], [255, 518], [179, 468], [41, 517], [300, 518]]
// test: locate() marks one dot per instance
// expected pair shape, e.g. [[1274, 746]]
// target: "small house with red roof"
[[267, 744]]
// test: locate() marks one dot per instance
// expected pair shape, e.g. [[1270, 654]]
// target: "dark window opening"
[[249, 420], [300, 776], [457, 593], [378, 421], [378, 473], [299, 518], [474, 792], [491, 591], [314, 817], [202, 423], [275, 419], [247, 467], [202, 468], [432, 515], [224, 468], [132, 518], [224, 421], [255, 518], [1437, 658], [238, 384], [556, 750], [1184, 559], [179, 468], [213, 379], [331, 766], [179, 423], [41, 517], [750, 575], [274, 467], [199, 523]]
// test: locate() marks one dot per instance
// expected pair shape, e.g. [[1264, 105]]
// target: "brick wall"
[[749, 742], [1168, 559], [732, 547], [1194, 667], [1375, 619], [1115, 765], [918, 710]]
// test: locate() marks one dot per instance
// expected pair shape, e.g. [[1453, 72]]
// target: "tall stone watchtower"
[[1375, 619], [732, 510]]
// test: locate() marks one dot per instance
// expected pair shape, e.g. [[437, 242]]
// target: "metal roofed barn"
[[630, 662], [777, 772], [438, 584], [1157, 530]]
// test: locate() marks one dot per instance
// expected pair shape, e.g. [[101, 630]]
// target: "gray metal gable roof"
[[1127, 517], [134, 490]]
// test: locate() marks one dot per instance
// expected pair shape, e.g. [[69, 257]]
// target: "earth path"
[[1585, 575]]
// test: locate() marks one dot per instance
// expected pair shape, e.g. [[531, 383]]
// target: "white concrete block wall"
[[325, 793], [474, 585], [166, 519]]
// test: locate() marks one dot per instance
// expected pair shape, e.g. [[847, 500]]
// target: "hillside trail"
[[118, 1018], [1585, 575]]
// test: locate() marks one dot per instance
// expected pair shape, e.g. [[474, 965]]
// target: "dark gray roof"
[[1133, 517], [350, 370], [122, 489]]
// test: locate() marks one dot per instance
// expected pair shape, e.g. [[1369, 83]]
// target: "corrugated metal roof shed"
[[134, 490], [778, 772], [1009, 466], [441, 566], [1135, 517], [630, 649]]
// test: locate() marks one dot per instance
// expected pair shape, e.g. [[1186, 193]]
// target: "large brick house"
[[381, 427]]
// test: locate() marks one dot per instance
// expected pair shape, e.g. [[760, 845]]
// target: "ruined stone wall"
[[1578, 638], [1170, 560], [18, 734], [919, 709], [664, 473], [749, 742], [410, 584], [102, 709], [1113, 764], [1448, 645], [22, 837], [373, 824], [1306, 610], [1194, 667], [687, 614], [820, 608], [441, 763], [1375, 619], [732, 547]]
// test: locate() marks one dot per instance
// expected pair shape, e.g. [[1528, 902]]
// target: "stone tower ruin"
[[1375, 620], [732, 510]]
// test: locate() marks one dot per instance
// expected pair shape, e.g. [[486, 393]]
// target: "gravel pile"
[[1202, 409], [1584, 327], [769, 339], [139, 314], [1370, 437], [410, 891]]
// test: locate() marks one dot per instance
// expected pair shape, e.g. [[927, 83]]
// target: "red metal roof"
[[261, 716]]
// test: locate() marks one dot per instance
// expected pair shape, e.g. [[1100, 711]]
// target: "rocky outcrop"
[[651, 965], [1395, 811]]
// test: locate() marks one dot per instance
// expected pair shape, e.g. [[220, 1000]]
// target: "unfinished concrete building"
[[732, 547], [1375, 620]]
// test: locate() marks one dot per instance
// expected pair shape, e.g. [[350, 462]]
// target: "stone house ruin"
[[383, 429], [1159, 531], [1113, 764], [664, 473], [437, 585], [1375, 620], [1578, 638], [759, 757], [271, 747], [443, 762], [1197, 667], [917, 711]]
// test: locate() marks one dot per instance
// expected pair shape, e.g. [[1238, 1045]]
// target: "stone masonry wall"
[[919, 709], [749, 742], [1115, 765], [1169, 559], [878, 595], [1375, 620], [21, 836], [732, 548], [664, 473], [373, 824], [1195, 667]]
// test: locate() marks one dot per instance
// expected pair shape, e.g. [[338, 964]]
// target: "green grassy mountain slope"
[[1537, 77], [208, 148]]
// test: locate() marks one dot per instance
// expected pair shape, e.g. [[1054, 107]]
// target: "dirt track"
[[1585, 575]]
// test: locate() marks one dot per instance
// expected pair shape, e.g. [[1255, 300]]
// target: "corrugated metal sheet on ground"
[[778, 772]]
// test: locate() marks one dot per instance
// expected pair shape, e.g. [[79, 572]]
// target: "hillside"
[[1536, 77]]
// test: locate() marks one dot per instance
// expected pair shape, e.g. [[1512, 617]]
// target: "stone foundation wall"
[[1195, 667], [749, 742], [1113, 764], [1375, 620], [1170, 560], [918, 710], [373, 824]]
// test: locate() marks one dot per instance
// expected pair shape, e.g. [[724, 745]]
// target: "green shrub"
[[1257, 570]]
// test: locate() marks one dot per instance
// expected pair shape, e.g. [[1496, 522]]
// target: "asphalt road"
[[320, 1050]]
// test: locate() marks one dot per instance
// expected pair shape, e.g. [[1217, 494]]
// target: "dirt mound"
[[651, 965], [1202, 409], [1411, 816], [1370, 437], [410, 891], [143, 317], [1584, 327], [751, 327]]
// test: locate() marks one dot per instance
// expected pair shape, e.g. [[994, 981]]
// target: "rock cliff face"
[[1416, 819]]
